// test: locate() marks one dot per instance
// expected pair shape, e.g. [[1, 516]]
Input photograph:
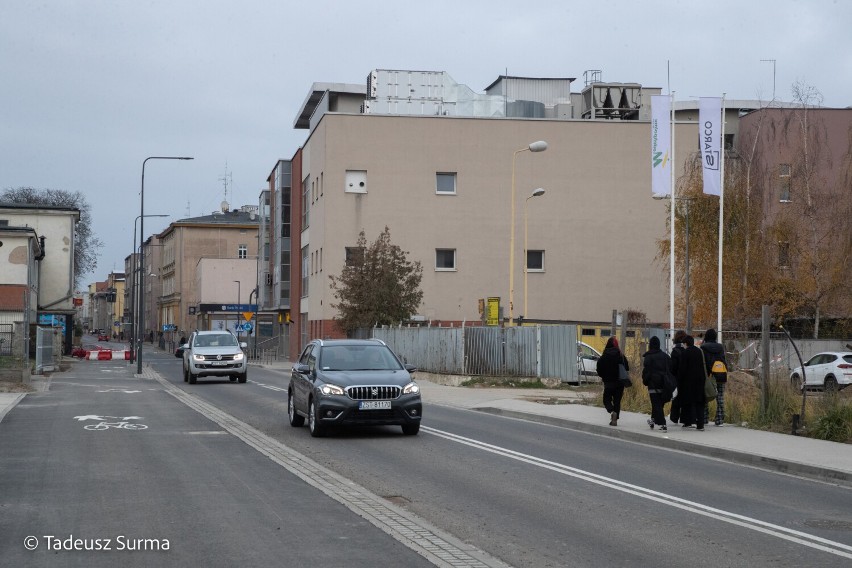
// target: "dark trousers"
[[612, 397], [657, 414], [693, 413]]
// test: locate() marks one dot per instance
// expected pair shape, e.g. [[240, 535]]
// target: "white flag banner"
[[661, 145], [709, 131]]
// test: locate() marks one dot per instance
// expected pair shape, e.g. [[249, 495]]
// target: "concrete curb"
[[8, 401], [660, 440]]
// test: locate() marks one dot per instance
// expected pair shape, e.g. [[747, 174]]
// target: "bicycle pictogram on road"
[[104, 423]]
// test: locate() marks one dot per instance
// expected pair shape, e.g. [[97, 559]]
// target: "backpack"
[[719, 370]]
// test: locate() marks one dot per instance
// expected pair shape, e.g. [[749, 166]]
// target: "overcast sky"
[[92, 88]]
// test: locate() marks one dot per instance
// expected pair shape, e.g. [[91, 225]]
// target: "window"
[[588, 331], [445, 183], [242, 251], [354, 256], [783, 255], [729, 141], [356, 181], [784, 183], [535, 261], [305, 268], [445, 259], [306, 205]]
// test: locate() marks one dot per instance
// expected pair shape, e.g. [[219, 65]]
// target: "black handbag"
[[623, 377]]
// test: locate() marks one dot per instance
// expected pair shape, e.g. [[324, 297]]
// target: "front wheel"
[[410, 429], [242, 377], [296, 419], [796, 382], [192, 377], [185, 375], [317, 429]]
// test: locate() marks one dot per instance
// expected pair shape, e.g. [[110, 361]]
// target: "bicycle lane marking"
[[118, 422]]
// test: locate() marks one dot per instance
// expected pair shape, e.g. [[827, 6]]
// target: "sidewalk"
[[806, 457], [817, 459]]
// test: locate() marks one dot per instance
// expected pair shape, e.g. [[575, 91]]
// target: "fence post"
[[764, 354]]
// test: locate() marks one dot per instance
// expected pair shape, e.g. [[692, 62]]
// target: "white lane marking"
[[270, 387], [778, 531], [120, 390]]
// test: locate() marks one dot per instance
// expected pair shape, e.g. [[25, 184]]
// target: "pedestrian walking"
[[608, 371], [677, 351], [690, 385], [716, 365], [656, 367]]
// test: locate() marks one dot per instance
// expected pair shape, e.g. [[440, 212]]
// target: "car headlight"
[[331, 389], [411, 388], [196, 357], [239, 356]]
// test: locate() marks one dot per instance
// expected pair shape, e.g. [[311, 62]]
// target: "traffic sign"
[[247, 326], [248, 315]]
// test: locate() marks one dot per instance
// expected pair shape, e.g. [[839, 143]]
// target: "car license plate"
[[219, 363], [374, 405]]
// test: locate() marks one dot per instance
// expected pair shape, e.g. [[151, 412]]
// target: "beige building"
[[175, 259]]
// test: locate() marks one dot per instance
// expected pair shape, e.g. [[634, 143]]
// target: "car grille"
[[373, 392], [218, 357]]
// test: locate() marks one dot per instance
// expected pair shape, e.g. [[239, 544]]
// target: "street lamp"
[[536, 193], [237, 323], [539, 146], [141, 326], [686, 254], [133, 290]]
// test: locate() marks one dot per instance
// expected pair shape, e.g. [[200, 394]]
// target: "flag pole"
[[721, 224], [672, 224]]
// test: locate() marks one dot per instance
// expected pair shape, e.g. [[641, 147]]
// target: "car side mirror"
[[302, 368], [410, 368], [243, 344]]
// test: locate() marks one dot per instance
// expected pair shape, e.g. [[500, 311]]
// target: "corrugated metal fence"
[[528, 351]]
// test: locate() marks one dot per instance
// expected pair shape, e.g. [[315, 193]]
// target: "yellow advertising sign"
[[248, 315], [493, 317]]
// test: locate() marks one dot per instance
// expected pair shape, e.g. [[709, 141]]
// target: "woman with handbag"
[[609, 370], [690, 385], [717, 367]]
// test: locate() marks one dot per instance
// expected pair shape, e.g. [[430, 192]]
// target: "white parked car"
[[829, 370], [587, 360]]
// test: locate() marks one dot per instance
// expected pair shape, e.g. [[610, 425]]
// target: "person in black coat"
[[690, 385], [608, 372], [677, 351], [715, 351], [656, 366]]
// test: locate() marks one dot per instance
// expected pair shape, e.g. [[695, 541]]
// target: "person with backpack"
[[656, 370], [717, 366], [608, 371]]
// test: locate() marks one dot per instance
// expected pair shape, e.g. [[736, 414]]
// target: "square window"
[[445, 259], [535, 261], [445, 183], [354, 256]]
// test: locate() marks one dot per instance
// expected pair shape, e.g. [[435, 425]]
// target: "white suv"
[[214, 354]]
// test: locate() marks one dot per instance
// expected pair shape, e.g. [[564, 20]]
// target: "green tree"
[[87, 245], [378, 285]]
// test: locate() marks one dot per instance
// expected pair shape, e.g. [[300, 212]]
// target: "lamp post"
[[536, 193], [686, 254], [539, 146], [133, 291], [237, 323], [141, 326]]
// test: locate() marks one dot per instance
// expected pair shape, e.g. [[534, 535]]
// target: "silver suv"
[[214, 354]]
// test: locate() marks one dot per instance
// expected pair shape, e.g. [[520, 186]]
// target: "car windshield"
[[358, 358], [215, 340]]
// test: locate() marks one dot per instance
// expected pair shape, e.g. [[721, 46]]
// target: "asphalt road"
[[539, 495], [107, 470]]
